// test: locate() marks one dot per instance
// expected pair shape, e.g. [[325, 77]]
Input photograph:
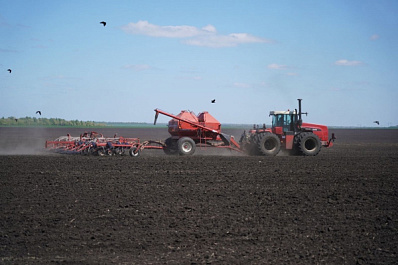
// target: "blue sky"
[[251, 56]]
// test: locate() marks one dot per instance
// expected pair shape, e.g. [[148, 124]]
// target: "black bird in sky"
[[103, 23], [378, 123], [9, 70], [38, 112], [213, 101]]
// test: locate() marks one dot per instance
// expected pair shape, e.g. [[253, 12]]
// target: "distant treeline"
[[28, 121]]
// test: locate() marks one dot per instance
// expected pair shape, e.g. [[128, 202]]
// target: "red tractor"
[[288, 132]]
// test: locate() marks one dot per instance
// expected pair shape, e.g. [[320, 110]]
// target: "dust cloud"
[[22, 141]]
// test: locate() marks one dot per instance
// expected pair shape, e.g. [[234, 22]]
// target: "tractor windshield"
[[283, 120]]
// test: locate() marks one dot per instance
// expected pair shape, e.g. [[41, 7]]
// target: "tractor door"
[[282, 123]]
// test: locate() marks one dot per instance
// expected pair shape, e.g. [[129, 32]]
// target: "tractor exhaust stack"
[[299, 103], [300, 120]]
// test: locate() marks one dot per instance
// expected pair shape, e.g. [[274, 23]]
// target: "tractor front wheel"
[[186, 146], [308, 144], [268, 144]]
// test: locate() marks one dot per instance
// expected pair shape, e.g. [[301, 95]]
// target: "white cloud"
[[145, 28], [345, 62], [218, 41], [206, 36], [137, 67], [374, 37], [277, 66], [210, 28]]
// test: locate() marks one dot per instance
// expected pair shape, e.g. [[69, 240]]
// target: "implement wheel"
[[268, 144], [134, 152], [308, 144], [186, 146]]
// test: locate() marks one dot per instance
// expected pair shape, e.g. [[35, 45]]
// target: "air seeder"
[[188, 130]]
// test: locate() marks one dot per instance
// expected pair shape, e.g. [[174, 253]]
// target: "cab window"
[[282, 120]]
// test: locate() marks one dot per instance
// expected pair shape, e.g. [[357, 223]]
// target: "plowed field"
[[215, 207]]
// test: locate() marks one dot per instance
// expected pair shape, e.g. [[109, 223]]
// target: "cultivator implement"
[[93, 143]]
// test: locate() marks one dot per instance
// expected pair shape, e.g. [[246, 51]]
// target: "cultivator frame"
[[93, 143]]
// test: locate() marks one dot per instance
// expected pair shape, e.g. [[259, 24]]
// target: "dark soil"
[[339, 207]]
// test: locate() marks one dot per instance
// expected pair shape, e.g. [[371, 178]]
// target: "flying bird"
[[38, 112], [9, 70], [213, 101], [378, 123], [103, 23]]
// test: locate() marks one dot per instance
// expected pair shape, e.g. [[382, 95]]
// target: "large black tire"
[[186, 146], [308, 144], [171, 147], [268, 144]]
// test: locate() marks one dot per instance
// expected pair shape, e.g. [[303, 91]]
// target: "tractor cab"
[[283, 121]]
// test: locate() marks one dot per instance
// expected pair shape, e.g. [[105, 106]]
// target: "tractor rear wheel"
[[268, 144], [308, 144], [186, 146]]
